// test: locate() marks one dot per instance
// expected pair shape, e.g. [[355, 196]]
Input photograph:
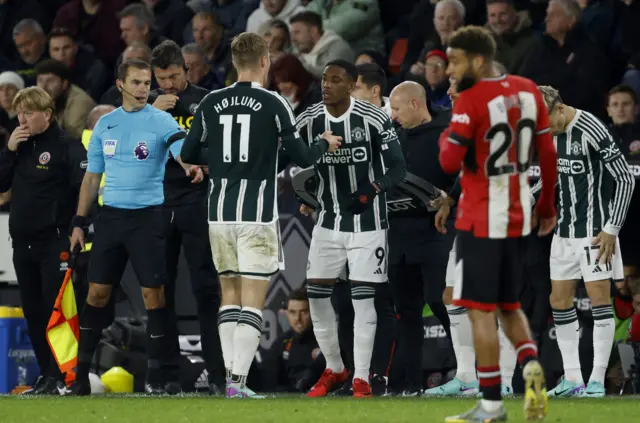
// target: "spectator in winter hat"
[[435, 65], [10, 84]]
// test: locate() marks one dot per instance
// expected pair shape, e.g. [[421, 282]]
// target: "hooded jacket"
[[260, 16], [72, 116], [356, 21], [329, 47]]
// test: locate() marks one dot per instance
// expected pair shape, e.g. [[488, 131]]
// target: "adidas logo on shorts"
[[202, 381], [378, 271]]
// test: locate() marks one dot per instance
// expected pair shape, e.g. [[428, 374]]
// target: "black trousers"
[[187, 227], [40, 267], [413, 286]]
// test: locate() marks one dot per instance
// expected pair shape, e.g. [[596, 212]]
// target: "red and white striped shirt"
[[493, 128]]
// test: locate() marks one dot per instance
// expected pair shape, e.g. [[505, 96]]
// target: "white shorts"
[[251, 250], [366, 253], [575, 258], [450, 279]]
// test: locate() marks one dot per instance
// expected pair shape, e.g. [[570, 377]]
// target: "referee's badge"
[[357, 134], [109, 148]]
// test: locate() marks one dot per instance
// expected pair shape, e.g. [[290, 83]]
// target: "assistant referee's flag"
[[63, 330]]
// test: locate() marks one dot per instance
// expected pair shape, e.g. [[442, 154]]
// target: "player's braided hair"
[[247, 49], [474, 40]]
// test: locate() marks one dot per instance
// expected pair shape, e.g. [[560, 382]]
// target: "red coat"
[[102, 31]]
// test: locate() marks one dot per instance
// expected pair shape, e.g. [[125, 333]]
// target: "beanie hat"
[[12, 78]]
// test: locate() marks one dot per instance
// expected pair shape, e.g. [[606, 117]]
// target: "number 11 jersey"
[[239, 130], [498, 120]]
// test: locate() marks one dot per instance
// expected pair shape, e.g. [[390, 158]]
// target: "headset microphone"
[[139, 98]]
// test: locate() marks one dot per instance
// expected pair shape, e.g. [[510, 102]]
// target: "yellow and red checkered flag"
[[63, 330]]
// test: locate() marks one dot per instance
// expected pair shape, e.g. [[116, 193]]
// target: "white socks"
[[508, 358], [246, 340], [364, 327], [227, 321], [325, 326], [603, 334], [568, 336], [462, 338]]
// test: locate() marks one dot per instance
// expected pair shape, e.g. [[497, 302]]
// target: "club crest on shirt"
[[576, 148], [44, 158], [357, 134], [141, 152], [193, 108], [634, 147]]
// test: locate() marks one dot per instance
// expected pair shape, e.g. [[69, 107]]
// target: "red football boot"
[[361, 389], [328, 380]]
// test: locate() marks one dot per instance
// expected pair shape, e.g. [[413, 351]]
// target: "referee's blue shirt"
[[132, 149]]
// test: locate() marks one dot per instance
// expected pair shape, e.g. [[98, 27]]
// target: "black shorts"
[[492, 272], [121, 235]]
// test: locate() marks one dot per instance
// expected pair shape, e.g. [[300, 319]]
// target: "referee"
[[43, 168], [131, 146], [185, 211]]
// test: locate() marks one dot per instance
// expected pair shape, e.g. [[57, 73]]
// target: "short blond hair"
[[34, 99], [247, 49], [551, 96]]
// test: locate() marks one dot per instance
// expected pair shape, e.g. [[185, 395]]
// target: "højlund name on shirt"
[[245, 101]]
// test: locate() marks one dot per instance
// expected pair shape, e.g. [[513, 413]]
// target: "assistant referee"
[[131, 146]]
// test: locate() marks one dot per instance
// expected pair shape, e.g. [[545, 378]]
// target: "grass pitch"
[[195, 409]]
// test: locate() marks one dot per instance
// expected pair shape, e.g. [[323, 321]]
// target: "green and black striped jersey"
[[237, 132], [594, 181], [369, 146]]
